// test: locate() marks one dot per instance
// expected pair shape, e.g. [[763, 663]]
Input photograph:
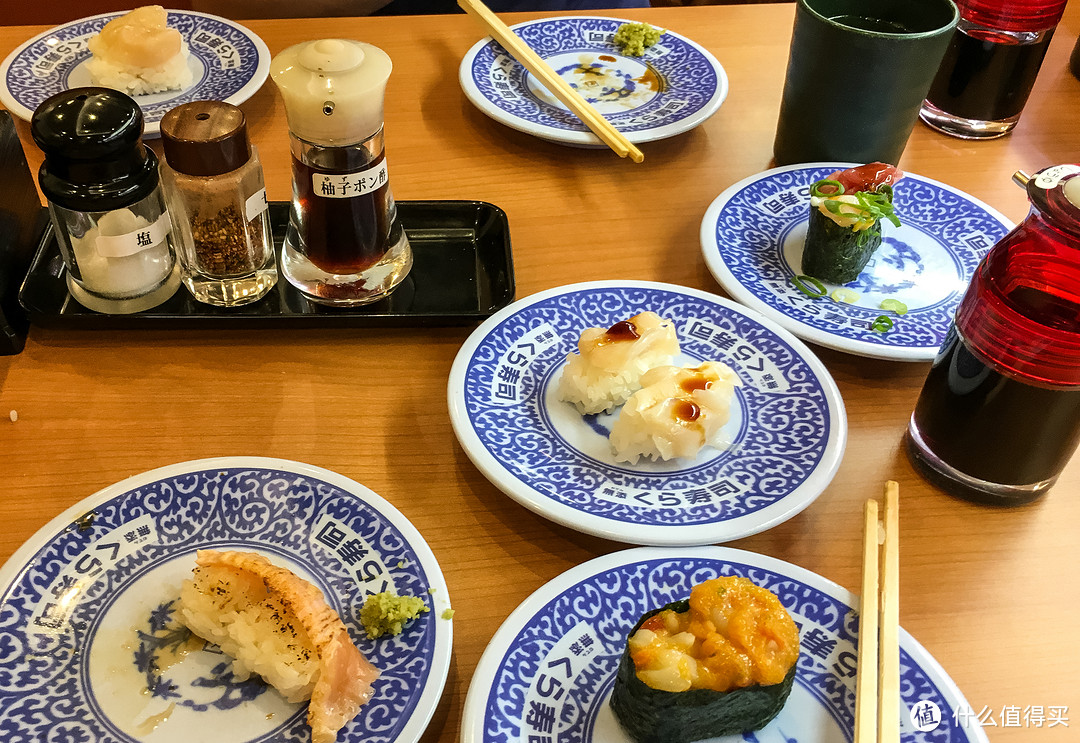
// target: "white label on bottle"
[[1050, 177], [349, 185], [130, 243], [256, 204]]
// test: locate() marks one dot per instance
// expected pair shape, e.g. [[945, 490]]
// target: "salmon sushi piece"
[[276, 624]]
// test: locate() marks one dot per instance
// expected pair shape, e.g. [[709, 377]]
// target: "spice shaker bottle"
[[345, 245], [105, 200], [214, 185], [990, 66], [999, 414]]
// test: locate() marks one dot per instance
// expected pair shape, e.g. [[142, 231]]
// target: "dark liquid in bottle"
[[991, 426], [987, 78], [342, 235]]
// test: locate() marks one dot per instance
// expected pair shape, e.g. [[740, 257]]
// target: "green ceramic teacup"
[[857, 74]]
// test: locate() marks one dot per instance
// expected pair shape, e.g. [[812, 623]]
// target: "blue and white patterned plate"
[[753, 234], [229, 63], [90, 649], [669, 90], [787, 430], [548, 672]]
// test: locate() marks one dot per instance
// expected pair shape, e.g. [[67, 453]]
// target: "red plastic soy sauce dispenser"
[[999, 414]]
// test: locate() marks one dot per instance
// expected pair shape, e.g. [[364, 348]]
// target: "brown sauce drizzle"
[[695, 383], [621, 331], [650, 80], [685, 410], [606, 58]]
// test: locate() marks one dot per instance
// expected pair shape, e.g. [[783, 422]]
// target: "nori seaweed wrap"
[[834, 253], [650, 715], [837, 253]]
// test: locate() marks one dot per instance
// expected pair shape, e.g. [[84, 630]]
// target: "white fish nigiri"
[[608, 366], [139, 53], [676, 413], [276, 624]]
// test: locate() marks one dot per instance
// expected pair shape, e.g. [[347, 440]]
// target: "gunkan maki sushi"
[[846, 210], [720, 663]]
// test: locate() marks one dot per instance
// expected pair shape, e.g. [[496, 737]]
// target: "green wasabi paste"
[[387, 613], [634, 38]]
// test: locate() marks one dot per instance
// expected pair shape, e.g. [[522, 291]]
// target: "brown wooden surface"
[[992, 594]]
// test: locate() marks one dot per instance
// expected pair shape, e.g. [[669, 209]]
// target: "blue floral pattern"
[[48, 677], [232, 58], [790, 425], [675, 81], [609, 599], [747, 235]]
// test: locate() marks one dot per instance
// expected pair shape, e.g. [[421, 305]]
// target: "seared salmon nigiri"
[[276, 624]]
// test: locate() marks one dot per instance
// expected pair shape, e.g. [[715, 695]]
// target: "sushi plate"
[[752, 238], [788, 428], [229, 63], [93, 650], [548, 672], [672, 88]]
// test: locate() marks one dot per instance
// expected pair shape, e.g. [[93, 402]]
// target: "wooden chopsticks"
[[551, 80], [877, 685]]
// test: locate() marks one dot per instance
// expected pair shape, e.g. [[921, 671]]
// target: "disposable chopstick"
[[877, 683], [889, 642], [551, 80], [866, 679]]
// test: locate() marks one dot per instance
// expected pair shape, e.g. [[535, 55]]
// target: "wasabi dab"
[[387, 613], [634, 38]]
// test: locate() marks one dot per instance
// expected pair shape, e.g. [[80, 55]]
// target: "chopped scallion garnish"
[[882, 324], [809, 286], [894, 305], [845, 295]]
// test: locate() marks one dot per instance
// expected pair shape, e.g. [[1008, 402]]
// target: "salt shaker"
[[105, 200], [999, 414], [345, 245], [214, 185]]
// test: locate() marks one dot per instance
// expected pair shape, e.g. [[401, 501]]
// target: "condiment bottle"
[[105, 200], [990, 67], [214, 184], [345, 245], [999, 413]]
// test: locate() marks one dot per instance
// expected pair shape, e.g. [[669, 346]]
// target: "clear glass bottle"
[[345, 245], [105, 200], [999, 414], [214, 184], [990, 66]]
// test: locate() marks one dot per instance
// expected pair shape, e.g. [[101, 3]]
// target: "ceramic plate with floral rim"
[[228, 62], [669, 90], [548, 672], [753, 234], [787, 429], [91, 646]]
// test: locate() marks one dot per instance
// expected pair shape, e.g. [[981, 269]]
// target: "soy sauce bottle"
[[999, 414], [345, 245]]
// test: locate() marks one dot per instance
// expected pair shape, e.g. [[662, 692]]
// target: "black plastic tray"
[[462, 273]]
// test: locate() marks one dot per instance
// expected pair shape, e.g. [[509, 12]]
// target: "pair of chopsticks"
[[877, 685], [551, 80]]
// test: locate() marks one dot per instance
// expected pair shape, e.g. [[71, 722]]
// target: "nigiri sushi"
[[677, 411], [846, 210], [608, 366], [138, 53], [720, 663], [276, 624]]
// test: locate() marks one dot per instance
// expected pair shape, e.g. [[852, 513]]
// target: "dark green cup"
[[857, 74]]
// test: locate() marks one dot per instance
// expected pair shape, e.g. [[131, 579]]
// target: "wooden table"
[[992, 594]]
